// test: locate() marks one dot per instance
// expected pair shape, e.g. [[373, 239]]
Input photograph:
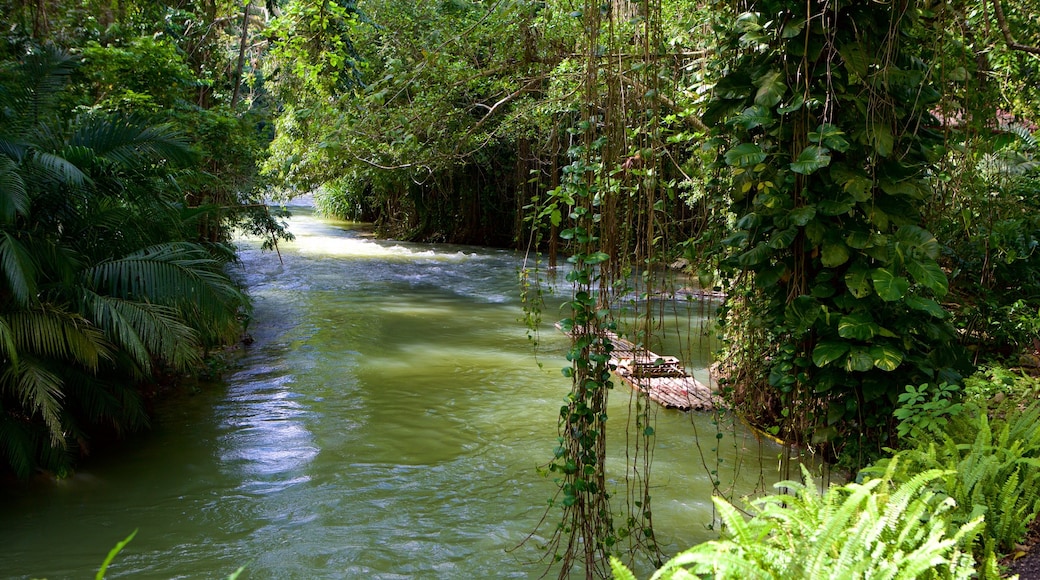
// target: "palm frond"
[[131, 144], [183, 275], [144, 330], [14, 199], [56, 168], [41, 76], [19, 269], [16, 445], [92, 400], [39, 390], [51, 333]]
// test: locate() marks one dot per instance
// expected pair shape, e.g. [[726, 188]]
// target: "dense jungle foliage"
[[860, 180]]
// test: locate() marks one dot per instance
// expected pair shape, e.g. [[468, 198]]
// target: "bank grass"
[[960, 494]]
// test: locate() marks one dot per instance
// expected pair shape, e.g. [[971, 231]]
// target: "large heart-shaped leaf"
[[783, 238], [828, 351], [751, 117], [859, 360], [834, 254], [928, 274], [919, 239], [858, 325], [886, 357], [754, 256], [802, 313], [771, 89], [857, 279], [830, 136], [926, 305], [811, 159], [889, 286], [745, 155], [800, 216]]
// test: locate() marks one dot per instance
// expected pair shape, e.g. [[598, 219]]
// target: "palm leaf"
[[16, 445], [131, 144], [144, 330], [39, 390], [14, 200], [182, 275], [19, 269], [56, 168], [40, 77], [51, 333]]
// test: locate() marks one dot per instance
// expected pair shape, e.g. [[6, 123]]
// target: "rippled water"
[[387, 422]]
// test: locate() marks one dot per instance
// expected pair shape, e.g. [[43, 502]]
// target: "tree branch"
[[998, 9]]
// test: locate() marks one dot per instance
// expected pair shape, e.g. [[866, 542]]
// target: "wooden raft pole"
[[662, 378]]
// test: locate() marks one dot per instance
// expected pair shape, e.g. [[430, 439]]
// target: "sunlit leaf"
[[889, 286], [828, 351], [811, 159], [858, 325], [886, 357], [745, 155]]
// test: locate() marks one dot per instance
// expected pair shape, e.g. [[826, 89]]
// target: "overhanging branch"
[[998, 9]]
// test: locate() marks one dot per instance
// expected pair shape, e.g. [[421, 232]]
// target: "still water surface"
[[387, 422]]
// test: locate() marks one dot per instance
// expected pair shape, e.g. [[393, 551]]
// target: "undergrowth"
[[961, 492]]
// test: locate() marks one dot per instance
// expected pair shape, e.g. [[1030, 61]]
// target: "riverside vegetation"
[[858, 178]]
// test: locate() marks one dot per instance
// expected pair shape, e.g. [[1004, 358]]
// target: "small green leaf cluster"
[[924, 409]]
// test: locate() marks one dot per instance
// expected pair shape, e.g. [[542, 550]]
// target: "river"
[[387, 422]]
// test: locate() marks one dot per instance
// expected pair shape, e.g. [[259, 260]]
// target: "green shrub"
[[876, 529], [991, 468]]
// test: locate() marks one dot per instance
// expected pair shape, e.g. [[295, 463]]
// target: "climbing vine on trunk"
[[826, 138]]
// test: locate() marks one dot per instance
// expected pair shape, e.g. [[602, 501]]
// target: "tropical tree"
[[102, 287]]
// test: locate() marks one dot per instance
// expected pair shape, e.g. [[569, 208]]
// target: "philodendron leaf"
[[828, 351], [859, 360], [771, 88], [858, 325], [811, 159], [830, 136], [881, 138], [834, 254], [926, 305], [857, 279], [889, 286], [928, 274], [800, 216], [802, 313], [886, 357], [745, 155], [919, 239]]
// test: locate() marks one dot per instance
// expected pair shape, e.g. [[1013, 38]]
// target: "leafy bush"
[[991, 468], [877, 529]]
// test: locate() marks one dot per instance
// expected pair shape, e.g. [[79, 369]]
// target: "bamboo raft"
[[662, 378]]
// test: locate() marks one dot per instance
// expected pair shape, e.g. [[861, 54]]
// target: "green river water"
[[387, 422]]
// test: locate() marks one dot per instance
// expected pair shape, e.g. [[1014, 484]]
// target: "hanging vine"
[[826, 139]]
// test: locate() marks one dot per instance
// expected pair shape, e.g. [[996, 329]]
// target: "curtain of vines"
[[827, 141], [606, 201]]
